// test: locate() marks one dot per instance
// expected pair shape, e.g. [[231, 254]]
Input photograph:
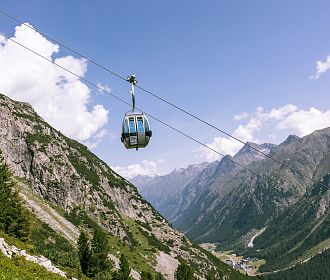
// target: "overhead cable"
[[162, 99]]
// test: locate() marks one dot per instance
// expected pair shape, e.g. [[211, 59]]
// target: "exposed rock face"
[[167, 265], [48, 215], [66, 174]]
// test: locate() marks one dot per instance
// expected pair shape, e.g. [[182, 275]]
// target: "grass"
[[20, 269], [142, 256]]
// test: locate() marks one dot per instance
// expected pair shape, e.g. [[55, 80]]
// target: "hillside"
[[293, 210], [69, 188]]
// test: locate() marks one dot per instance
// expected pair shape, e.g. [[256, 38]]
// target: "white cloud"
[[241, 116], [149, 168], [280, 113], [57, 96], [288, 118], [303, 122], [321, 67]]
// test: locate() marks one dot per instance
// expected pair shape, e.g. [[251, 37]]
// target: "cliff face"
[[69, 177], [64, 172]]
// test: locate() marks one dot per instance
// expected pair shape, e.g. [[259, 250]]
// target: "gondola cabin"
[[136, 131]]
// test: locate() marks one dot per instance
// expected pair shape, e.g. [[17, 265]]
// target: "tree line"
[[94, 261]]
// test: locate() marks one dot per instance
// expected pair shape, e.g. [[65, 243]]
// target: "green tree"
[[209, 277], [99, 260], [145, 275], [159, 276], [84, 252], [124, 271], [14, 218], [184, 272]]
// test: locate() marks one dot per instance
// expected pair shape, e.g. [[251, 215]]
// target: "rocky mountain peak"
[[248, 149], [291, 139]]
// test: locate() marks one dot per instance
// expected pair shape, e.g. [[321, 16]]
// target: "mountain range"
[[68, 189], [281, 216]]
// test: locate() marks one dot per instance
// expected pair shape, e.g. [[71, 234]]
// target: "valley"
[[281, 220], [244, 265]]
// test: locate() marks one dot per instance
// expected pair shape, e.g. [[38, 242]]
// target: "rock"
[[10, 251], [5, 249], [167, 265]]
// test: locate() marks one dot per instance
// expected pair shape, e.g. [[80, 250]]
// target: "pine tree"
[[99, 253], [14, 218], [184, 272], [84, 252], [124, 272], [159, 276], [145, 275]]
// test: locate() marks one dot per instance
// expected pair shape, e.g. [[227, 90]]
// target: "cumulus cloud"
[[288, 118], [57, 96], [321, 67], [303, 122], [149, 168]]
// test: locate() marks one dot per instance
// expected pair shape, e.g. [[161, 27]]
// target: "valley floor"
[[249, 266]]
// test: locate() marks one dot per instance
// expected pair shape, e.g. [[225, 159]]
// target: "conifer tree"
[[159, 276], [124, 272], [14, 218], [184, 272], [145, 275], [84, 252], [99, 253]]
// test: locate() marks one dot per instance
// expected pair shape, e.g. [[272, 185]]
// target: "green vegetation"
[[146, 276], [84, 252], [317, 268], [90, 166], [159, 276], [50, 244], [94, 257], [184, 272], [124, 272], [18, 268], [294, 233]]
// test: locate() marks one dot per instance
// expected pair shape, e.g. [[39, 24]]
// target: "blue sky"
[[216, 59]]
